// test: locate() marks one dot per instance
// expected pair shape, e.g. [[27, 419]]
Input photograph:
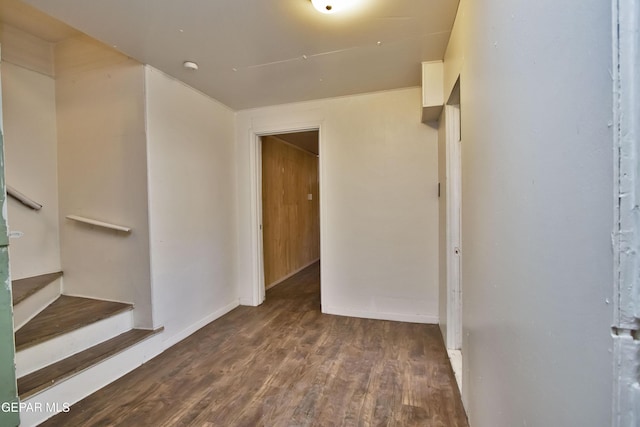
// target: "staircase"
[[69, 347]]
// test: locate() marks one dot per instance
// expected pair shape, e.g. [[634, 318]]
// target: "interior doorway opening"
[[289, 205], [453, 231], [454, 220]]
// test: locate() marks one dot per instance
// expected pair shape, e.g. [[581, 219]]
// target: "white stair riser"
[[84, 383], [34, 304], [40, 355]]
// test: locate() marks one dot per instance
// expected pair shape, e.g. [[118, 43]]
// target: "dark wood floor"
[[286, 364], [21, 289], [63, 369], [64, 315]]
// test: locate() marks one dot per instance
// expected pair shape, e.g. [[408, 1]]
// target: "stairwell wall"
[[103, 174], [28, 95]]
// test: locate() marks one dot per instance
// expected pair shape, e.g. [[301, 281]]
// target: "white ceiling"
[[26, 18], [262, 52]]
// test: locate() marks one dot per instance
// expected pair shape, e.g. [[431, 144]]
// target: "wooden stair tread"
[[64, 315], [23, 288], [47, 376]]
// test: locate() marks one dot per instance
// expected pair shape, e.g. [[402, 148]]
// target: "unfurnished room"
[[319, 213]]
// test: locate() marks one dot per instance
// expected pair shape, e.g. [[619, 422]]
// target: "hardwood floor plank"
[[46, 377], [64, 315], [21, 289], [286, 364]]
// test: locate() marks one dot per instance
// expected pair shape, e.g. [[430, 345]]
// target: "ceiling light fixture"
[[190, 65], [324, 6], [331, 6]]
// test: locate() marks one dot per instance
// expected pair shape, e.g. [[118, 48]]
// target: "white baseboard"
[[455, 357], [293, 273], [398, 317], [199, 325], [247, 302]]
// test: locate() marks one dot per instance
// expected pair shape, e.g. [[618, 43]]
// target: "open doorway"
[[452, 250], [290, 204], [454, 220]]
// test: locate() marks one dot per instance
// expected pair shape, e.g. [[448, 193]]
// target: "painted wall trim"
[[254, 134], [150, 217], [454, 227], [256, 218], [247, 302], [379, 315], [626, 150], [455, 358], [199, 325], [626, 233]]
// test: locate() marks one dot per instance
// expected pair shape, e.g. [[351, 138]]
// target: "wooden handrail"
[[28, 202], [99, 223]]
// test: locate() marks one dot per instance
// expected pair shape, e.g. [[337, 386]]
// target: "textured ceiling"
[[256, 52]]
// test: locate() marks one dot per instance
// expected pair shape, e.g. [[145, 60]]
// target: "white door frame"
[[255, 134], [626, 234], [453, 226]]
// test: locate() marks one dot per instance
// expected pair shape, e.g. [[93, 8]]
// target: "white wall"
[[192, 205], [536, 210], [31, 167], [102, 172], [379, 206]]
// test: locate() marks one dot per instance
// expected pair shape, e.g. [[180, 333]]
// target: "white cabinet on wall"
[[432, 90]]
